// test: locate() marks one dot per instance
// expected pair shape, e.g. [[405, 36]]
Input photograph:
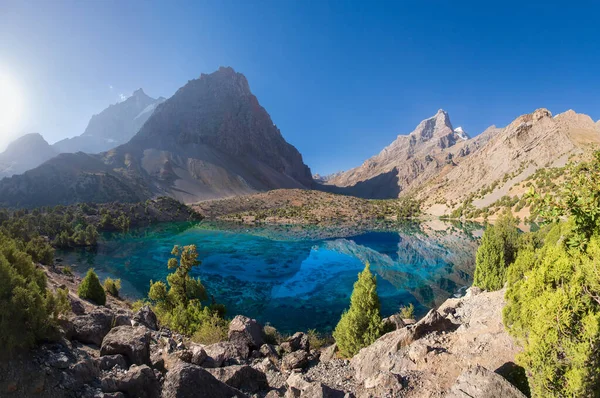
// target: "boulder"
[[92, 328], [432, 322], [382, 354], [384, 384], [246, 332], [122, 318], [479, 382], [146, 317], [199, 355], [295, 360], [269, 351], [221, 353], [184, 355], [186, 380], [131, 342], [76, 305], [329, 353], [449, 306], [393, 322], [299, 341], [301, 387], [242, 377], [137, 382], [110, 361]]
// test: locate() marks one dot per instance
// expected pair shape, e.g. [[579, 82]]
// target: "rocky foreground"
[[460, 350]]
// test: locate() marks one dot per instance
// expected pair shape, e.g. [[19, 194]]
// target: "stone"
[[122, 318], [384, 384], [242, 377], [246, 332], [221, 353], [110, 361], [199, 355], [146, 317], [269, 351], [295, 360], [76, 305], [184, 355], [186, 380], [133, 343], [432, 322], [449, 306], [417, 351], [473, 291], [409, 321], [299, 341], [329, 353], [320, 390], [393, 322], [137, 382], [92, 328], [479, 382]]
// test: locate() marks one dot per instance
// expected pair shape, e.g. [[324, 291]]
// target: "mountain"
[[512, 153], [25, 153], [211, 139], [114, 126], [410, 160]]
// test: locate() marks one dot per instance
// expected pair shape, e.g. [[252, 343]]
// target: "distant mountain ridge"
[[112, 127], [408, 161], [211, 139], [25, 153]]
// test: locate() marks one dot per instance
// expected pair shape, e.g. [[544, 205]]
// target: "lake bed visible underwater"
[[293, 279]]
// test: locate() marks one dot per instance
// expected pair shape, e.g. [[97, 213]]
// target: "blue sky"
[[340, 79]]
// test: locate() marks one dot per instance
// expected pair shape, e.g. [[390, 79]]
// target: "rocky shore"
[[459, 350]]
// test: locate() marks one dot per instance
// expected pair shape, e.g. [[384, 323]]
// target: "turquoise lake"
[[295, 278]]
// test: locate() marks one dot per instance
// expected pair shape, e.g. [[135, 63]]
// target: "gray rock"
[[329, 353], [146, 317], [138, 382], [199, 355], [269, 351], [295, 360], [242, 377], [133, 343], [393, 322], [478, 382], [299, 341], [92, 328], [384, 384], [110, 361], [221, 353], [190, 381], [246, 332], [76, 305], [432, 322], [122, 318]]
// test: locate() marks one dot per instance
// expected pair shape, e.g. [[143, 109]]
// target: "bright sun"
[[11, 104]]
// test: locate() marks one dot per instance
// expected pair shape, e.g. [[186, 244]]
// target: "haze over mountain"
[[25, 153], [211, 139], [114, 126]]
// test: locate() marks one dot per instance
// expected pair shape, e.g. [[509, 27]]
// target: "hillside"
[[531, 142], [212, 139]]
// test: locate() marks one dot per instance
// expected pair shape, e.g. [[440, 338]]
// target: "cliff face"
[[212, 139]]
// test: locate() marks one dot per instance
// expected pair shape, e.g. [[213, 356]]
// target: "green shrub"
[[317, 340], [272, 336], [497, 250], [360, 325], [67, 270], [28, 312], [407, 312], [91, 289], [178, 305], [212, 329], [112, 286]]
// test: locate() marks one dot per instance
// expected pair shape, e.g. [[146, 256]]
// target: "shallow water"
[[289, 278]]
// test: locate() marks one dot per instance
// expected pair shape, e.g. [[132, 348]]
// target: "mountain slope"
[[25, 153], [408, 161], [212, 139], [114, 126], [530, 142]]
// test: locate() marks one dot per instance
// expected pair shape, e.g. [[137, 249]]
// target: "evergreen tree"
[[497, 250], [91, 289], [361, 324]]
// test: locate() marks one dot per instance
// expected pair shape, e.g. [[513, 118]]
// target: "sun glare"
[[11, 104]]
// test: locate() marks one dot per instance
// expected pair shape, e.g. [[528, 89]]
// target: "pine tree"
[[361, 324], [91, 289]]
